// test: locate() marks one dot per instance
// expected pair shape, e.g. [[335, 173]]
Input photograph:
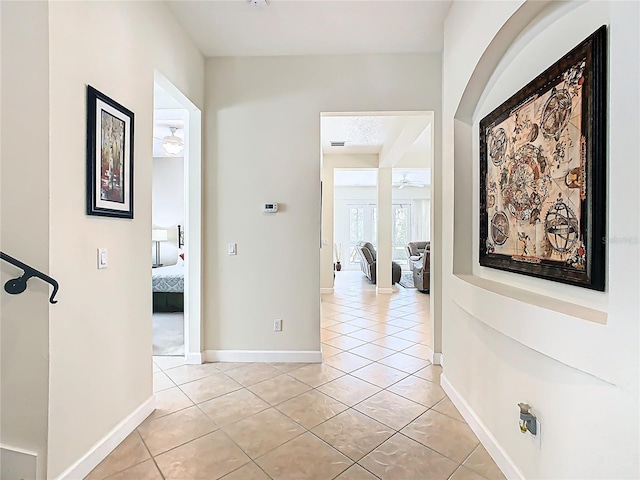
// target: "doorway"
[[176, 224], [377, 165]]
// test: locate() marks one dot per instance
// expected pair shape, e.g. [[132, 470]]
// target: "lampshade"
[[171, 144], [159, 235]]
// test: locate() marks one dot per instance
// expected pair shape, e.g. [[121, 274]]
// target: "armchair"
[[416, 249], [419, 256], [368, 259]]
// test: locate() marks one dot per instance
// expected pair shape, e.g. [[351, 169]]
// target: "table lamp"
[[158, 235]]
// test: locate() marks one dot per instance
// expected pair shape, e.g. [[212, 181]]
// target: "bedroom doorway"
[[176, 226]]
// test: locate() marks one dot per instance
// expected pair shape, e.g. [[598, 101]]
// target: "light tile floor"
[[373, 410]]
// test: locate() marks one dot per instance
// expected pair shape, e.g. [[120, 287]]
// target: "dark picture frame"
[[109, 156], [543, 173]]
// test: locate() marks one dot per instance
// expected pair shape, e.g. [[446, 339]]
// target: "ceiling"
[[399, 139], [312, 27], [361, 133], [369, 178], [163, 99]]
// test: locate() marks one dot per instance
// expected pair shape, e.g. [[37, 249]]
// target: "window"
[[401, 218], [356, 231], [363, 226]]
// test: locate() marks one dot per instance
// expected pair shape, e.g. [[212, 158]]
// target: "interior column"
[[383, 263]]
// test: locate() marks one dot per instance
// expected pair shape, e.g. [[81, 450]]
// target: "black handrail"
[[19, 285]]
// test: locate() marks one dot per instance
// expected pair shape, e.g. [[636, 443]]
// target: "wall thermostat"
[[270, 208]]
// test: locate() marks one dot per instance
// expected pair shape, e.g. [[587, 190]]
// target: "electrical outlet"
[[530, 424], [537, 438], [277, 325]]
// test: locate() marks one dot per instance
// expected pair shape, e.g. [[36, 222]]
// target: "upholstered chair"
[[368, 259]]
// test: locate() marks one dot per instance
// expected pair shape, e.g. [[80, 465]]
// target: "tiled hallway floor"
[[373, 409]]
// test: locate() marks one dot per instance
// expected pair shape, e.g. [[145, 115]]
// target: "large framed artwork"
[[109, 157], [542, 173]]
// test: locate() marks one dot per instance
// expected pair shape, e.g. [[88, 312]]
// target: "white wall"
[[263, 144], [168, 191], [24, 377], [505, 338], [100, 331]]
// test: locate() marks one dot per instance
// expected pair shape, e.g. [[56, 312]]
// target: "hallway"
[[374, 409]]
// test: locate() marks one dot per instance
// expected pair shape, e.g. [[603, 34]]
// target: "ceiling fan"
[[171, 144], [405, 182]]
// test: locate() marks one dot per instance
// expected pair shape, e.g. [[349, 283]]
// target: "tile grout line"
[[309, 430], [312, 388], [152, 457], [402, 329], [326, 420], [377, 361]]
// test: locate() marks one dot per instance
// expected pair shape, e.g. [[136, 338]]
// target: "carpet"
[[168, 333], [406, 280]]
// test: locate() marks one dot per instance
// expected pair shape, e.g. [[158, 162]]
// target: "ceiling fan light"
[[171, 144]]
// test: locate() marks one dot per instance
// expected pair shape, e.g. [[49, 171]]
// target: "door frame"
[[193, 222]]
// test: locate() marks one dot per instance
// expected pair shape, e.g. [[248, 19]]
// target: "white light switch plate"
[[103, 258], [233, 249]]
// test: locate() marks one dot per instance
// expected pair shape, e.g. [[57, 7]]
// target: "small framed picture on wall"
[[109, 156]]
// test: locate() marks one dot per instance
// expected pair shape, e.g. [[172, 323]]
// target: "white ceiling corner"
[[163, 100], [312, 27]]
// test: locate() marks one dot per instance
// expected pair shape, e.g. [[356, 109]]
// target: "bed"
[[168, 284]]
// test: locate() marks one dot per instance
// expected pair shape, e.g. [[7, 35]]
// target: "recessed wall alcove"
[[525, 309], [531, 20]]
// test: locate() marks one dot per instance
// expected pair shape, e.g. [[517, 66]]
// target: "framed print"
[[109, 157], [542, 173]]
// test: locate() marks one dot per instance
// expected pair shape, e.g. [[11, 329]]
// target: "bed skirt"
[[168, 302]]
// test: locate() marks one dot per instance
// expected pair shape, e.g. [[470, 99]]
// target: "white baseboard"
[[384, 290], [264, 356], [17, 462], [109, 442], [326, 291], [436, 358], [193, 358], [487, 439]]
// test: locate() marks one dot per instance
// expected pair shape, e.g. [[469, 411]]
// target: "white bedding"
[[168, 279]]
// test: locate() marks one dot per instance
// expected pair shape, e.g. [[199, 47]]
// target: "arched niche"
[[527, 22]]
